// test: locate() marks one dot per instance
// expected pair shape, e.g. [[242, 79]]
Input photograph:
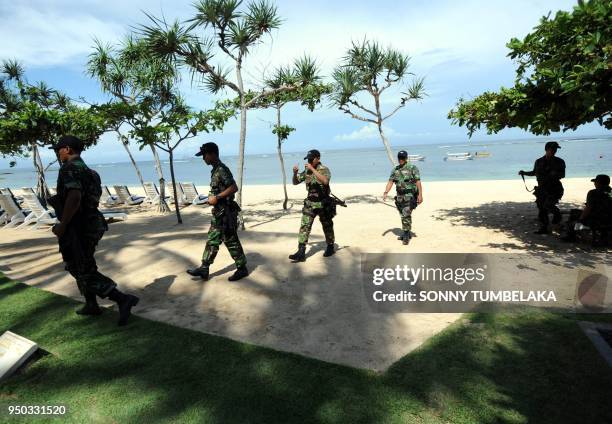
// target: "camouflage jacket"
[[220, 179], [405, 178], [316, 190], [76, 175], [549, 172], [600, 202]]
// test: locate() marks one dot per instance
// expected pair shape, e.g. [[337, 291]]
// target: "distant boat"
[[458, 156], [479, 155], [414, 158]]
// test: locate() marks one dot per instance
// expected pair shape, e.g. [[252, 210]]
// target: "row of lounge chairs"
[[25, 208], [187, 195]]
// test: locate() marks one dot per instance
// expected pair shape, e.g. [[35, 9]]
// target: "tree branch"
[[395, 110], [355, 103], [271, 92], [345, 109]]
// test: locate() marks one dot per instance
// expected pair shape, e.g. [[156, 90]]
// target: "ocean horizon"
[[584, 157]]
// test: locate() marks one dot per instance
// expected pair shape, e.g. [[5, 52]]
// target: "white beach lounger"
[[108, 215], [13, 214], [7, 191], [192, 195], [152, 193], [124, 195], [107, 198], [180, 194], [39, 214]]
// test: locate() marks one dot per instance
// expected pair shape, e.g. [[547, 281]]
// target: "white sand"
[[316, 308]]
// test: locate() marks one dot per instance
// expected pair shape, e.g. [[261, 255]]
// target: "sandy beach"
[[316, 308]]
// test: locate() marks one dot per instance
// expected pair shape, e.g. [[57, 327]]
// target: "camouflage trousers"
[[216, 236], [78, 246], [547, 204], [310, 211], [405, 204]]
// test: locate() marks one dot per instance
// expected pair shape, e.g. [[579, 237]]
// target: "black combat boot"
[[125, 303], [300, 255], [542, 230], [91, 305], [201, 271], [406, 237], [239, 274], [329, 250]]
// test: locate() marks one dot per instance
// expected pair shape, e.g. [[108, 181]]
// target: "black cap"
[[602, 179], [551, 145], [208, 148], [402, 154], [314, 153], [71, 141]]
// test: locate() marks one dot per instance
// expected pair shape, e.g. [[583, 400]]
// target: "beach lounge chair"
[[192, 195], [13, 214], [39, 214], [107, 198], [180, 194], [7, 191], [124, 195], [152, 193]]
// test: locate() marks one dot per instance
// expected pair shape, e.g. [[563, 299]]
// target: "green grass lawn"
[[532, 366]]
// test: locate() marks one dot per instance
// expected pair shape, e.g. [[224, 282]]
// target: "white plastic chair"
[[13, 214], [124, 195], [39, 214], [191, 194]]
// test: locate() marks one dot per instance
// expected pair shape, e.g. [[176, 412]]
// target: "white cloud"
[[369, 132]]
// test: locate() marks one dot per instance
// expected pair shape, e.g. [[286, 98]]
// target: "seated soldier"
[[597, 215]]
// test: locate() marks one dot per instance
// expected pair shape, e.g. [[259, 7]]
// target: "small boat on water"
[[459, 156], [414, 158], [478, 155]]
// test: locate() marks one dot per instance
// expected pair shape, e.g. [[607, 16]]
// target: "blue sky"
[[459, 47]]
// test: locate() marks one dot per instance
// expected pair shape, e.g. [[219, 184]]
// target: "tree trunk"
[[42, 190], [176, 203], [243, 121], [382, 134], [124, 141], [279, 147], [162, 205]]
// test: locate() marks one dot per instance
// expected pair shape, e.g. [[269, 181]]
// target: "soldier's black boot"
[[300, 255], [91, 306], [125, 303], [201, 271], [329, 250], [406, 237], [239, 274], [542, 230]]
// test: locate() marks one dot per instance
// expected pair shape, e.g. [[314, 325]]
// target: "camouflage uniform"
[[224, 223], [314, 205], [405, 178], [78, 244], [549, 191]]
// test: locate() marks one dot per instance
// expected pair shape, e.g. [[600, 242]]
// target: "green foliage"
[[282, 131], [563, 77], [36, 114]]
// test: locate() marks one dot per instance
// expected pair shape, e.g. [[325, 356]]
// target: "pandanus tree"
[[33, 116], [368, 70], [563, 77], [227, 28], [179, 123], [308, 95], [144, 88]]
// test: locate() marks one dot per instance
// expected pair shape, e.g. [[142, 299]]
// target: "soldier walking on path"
[[319, 203], [549, 170], [80, 228], [224, 222], [408, 190]]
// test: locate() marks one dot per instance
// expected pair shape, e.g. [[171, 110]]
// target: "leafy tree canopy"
[[563, 77]]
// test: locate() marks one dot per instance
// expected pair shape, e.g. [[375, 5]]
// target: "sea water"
[[583, 157]]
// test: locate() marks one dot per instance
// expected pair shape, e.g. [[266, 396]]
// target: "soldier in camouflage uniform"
[[316, 176], [224, 222], [409, 192], [80, 228], [549, 170]]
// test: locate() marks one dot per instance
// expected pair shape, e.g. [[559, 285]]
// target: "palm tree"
[[235, 31], [142, 88], [369, 68]]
